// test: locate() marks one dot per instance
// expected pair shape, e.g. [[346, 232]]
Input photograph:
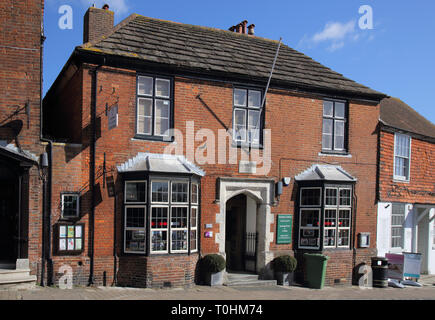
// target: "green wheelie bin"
[[316, 269]]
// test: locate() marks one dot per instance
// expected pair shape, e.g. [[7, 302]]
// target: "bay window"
[[173, 216], [325, 216]]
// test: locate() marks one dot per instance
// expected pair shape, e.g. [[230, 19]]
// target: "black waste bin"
[[380, 270]]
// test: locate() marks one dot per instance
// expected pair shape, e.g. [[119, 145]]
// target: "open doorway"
[[241, 234]]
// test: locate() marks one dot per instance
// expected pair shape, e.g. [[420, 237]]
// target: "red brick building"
[[406, 195], [21, 176], [125, 212]]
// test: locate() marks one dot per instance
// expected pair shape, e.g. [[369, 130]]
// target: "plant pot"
[[214, 279], [284, 278]]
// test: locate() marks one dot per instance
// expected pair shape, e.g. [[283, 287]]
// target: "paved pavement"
[[427, 292]]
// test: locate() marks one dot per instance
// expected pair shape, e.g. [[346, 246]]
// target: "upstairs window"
[[154, 107], [334, 133], [402, 156], [247, 124]]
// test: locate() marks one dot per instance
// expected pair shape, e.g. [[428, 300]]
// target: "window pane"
[[253, 126], [159, 217], [310, 197], [179, 192], [339, 135], [193, 240], [70, 205], [145, 86], [339, 110], [159, 240], [402, 145], [135, 240], [343, 237], [239, 125], [309, 218], [135, 191], [135, 217], [330, 218], [345, 196], [162, 88], [344, 218], [331, 197], [309, 238], [159, 191], [240, 97], [327, 134], [328, 108], [329, 238], [193, 217], [144, 115], [254, 99], [162, 117], [194, 193], [179, 240], [179, 217]]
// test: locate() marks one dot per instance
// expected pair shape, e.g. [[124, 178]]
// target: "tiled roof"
[[395, 113], [219, 51], [325, 173]]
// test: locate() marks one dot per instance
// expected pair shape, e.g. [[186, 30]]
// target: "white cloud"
[[118, 6], [335, 31]]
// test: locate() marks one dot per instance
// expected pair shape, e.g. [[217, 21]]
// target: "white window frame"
[[402, 236], [168, 239], [313, 205], [246, 108], [187, 197], [125, 191], [334, 208], [397, 177], [344, 228], [197, 193], [77, 195], [134, 228], [337, 197], [151, 191], [306, 228], [335, 119], [186, 229]]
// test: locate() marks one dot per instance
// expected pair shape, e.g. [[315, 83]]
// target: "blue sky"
[[395, 57]]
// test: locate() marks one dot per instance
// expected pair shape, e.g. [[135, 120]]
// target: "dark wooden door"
[[8, 221]]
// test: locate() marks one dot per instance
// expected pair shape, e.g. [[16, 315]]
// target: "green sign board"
[[284, 229]]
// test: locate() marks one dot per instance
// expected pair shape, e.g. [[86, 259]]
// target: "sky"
[[387, 45]]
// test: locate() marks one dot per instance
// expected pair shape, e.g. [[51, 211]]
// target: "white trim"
[[179, 229], [194, 228], [336, 197], [188, 193], [307, 227]]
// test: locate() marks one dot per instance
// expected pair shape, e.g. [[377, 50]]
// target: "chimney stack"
[[97, 22], [243, 28]]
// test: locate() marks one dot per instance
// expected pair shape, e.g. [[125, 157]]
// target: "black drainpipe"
[[92, 171], [47, 184]]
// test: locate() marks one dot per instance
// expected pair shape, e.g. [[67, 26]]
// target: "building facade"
[[21, 176], [406, 195], [135, 204]]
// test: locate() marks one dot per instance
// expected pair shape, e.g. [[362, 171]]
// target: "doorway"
[[8, 216], [240, 234]]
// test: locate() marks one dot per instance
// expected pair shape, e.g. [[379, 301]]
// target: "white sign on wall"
[[112, 116]]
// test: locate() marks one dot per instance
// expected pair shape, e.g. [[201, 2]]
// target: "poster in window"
[[78, 231], [70, 244], [70, 231], [304, 242], [313, 242], [78, 244], [62, 232], [308, 233], [62, 244]]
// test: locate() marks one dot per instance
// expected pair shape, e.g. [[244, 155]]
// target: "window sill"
[[400, 180], [246, 145], [138, 137], [326, 153]]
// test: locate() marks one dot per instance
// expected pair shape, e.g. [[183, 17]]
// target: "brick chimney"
[[97, 22], [243, 28]]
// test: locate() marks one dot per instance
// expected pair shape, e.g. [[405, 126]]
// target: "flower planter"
[[284, 278], [214, 279]]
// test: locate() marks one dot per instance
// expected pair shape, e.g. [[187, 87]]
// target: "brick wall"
[[20, 38], [421, 185], [295, 120]]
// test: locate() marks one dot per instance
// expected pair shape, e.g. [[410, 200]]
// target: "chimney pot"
[[244, 23], [251, 29], [97, 22]]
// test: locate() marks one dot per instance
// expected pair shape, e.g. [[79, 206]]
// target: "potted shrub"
[[212, 266], [283, 267]]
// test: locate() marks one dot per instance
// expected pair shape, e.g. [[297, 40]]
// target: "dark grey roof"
[[396, 113], [219, 51]]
